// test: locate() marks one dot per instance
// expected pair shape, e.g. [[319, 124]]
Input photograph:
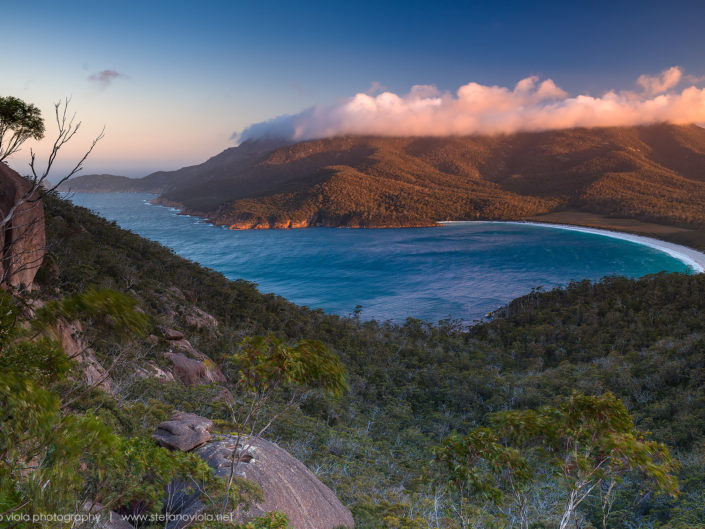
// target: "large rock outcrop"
[[184, 431], [190, 365], [200, 319], [22, 239], [287, 484]]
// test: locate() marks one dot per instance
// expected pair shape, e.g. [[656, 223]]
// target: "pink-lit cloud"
[[531, 105], [375, 87], [653, 85]]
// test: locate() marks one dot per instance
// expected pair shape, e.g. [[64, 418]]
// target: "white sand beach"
[[693, 258]]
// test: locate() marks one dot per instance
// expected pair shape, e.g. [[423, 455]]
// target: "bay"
[[459, 271]]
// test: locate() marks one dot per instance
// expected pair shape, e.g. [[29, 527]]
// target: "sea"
[[458, 271]]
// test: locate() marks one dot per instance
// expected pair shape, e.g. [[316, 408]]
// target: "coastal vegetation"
[[582, 406], [528, 460], [55, 461], [412, 386]]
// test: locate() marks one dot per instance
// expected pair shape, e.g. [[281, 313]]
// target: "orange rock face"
[[253, 224]]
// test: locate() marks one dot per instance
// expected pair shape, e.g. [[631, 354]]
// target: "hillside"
[[410, 385], [141, 333], [216, 167], [654, 173]]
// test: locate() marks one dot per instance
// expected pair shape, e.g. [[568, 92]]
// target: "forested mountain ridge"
[[654, 173]]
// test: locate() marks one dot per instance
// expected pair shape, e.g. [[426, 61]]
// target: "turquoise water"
[[460, 271]]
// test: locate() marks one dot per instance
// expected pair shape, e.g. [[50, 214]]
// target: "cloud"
[[375, 86], [661, 83], [106, 77], [531, 105], [693, 79]]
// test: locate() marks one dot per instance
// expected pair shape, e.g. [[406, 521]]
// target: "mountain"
[[217, 167], [654, 173]]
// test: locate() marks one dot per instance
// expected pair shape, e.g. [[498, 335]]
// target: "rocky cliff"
[[22, 237]]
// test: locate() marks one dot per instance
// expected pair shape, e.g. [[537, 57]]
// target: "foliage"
[[52, 461], [265, 363], [19, 121], [270, 520], [589, 445], [106, 309], [147, 468], [412, 384]]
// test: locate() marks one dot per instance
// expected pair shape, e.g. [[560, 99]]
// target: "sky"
[[175, 83]]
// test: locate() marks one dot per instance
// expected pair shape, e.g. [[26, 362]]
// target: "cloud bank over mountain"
[[531, 105]]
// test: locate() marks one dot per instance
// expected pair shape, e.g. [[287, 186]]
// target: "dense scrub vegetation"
[[412, 385], [59, 459]]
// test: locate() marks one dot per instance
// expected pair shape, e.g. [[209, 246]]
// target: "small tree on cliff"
[[32, 125], [19, 121]]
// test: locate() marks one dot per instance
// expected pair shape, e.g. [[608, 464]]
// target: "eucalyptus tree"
[[529, 462], [19, 121]]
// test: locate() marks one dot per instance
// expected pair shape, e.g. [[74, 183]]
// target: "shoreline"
[[690, 257]]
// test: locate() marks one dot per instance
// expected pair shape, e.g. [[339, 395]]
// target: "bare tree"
[[18, 223], [67, 128]]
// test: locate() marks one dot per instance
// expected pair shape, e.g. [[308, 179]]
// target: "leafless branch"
[[37, 187]]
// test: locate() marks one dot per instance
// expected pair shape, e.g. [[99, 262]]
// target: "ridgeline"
[[652, 173]]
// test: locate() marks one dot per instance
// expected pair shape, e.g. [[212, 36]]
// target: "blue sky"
[[189, 75]]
